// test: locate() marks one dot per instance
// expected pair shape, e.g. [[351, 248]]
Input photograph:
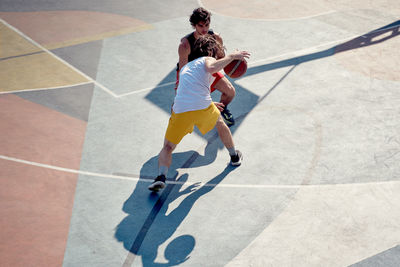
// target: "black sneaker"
[[228, 117], [159, 183], [237, 159]]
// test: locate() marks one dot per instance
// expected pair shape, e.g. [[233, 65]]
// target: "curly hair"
[[199, 14], [208, 46]]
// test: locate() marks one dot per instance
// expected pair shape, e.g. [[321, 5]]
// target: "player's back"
[[193, 92]]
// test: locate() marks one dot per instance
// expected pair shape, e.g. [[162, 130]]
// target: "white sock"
[[232, 151], [163, 170]]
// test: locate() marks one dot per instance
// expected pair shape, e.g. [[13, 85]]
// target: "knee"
[[168, 147], [230, 90], [220, 125], [225, 87]]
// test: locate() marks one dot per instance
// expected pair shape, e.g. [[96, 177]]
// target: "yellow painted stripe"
[[36, 71], [12, 44]]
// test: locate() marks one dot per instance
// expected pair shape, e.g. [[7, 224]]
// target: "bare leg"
[[224, 133], [164, 161], [227, 139], [227, 90], [165, 156]]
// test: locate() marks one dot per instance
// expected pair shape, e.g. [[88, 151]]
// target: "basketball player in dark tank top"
[[200, 20]]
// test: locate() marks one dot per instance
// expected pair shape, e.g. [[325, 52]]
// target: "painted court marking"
[[296, 53], [24, 55], [45, 89], [150, 180], [145, 89], [58, 58]]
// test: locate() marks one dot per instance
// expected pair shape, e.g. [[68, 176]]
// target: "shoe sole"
[[235, 164], [157, 186]]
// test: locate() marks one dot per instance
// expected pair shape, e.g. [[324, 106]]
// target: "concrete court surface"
[[85, 93]]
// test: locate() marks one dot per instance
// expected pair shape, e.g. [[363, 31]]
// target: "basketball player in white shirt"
[[193, 105]]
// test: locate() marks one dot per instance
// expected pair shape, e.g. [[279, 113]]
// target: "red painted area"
[[35, 133], [35, 210], [36, 203], [48, 27]]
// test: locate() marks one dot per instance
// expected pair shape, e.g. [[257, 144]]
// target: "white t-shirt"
[[193, 91]]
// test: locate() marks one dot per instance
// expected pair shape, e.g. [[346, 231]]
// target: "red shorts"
[[218, 76]]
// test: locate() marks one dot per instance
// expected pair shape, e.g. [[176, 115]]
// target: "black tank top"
[[192, 40]]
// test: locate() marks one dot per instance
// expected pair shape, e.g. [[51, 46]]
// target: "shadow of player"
[[142, 233], [148, 225], [163, 96], [368, 39], [143, 207]]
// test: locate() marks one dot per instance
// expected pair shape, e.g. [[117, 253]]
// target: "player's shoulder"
[[207, 59], [187, 37], [184, 43]]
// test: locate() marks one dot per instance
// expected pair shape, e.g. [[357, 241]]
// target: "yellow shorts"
[[183, 123]]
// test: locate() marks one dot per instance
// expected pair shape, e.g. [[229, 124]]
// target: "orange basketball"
[[236, 68]]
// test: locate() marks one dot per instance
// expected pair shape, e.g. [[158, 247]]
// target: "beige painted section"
[[333, 225], [23, 71], [390, 6], [35, 72], [97, 37], [292, 9], [54, 29], [12, 44], [379, 60], [254, 9]]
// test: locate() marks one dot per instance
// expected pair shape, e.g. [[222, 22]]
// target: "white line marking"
[[317, 48], [45, 89], [58, 58], [296, 53], [145, 89], [137, 179], [51, 167], [288, 55]]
